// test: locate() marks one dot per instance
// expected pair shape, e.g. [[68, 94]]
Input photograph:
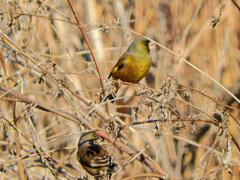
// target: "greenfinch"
[[93, 157], [133, 65]]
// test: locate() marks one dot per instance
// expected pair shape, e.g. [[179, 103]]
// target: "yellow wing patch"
[[114, 69]]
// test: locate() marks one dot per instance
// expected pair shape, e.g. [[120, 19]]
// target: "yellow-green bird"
[[133, 65]]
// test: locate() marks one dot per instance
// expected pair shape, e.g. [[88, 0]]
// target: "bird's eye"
[[147, 42]]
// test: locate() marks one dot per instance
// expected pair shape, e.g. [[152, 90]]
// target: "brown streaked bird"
[[133, 65], [93, 157]]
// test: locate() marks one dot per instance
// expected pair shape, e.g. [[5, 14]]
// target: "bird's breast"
[[134, 70]]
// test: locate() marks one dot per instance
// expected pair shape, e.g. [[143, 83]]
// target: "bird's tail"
[[112, 96]]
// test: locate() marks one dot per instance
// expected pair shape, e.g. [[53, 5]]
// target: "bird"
[[133, 65], [93, 157]]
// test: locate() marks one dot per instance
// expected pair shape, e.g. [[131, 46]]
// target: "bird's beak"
[[152, 46]]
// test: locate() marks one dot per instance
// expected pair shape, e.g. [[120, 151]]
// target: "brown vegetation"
[[177, 123]]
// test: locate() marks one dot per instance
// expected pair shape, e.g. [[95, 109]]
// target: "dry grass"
[[177, 123]]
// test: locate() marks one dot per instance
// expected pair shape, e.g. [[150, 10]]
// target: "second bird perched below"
[[93, 157], [133, 65]]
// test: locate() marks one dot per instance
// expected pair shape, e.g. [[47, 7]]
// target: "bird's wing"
[[120, 64]]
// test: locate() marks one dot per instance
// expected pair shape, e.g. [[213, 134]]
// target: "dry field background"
[[177, 123]]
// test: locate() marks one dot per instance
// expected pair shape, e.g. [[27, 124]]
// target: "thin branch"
[[144, 158], [235, 4], [91, 51]]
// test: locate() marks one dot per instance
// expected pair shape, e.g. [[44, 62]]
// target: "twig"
[[20, 164], [212, 148], [130, 151], [235, 4], [91, 51], [148, 175]]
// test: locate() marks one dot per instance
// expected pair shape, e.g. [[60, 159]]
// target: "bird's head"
[[88, 137], [140, 46]]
